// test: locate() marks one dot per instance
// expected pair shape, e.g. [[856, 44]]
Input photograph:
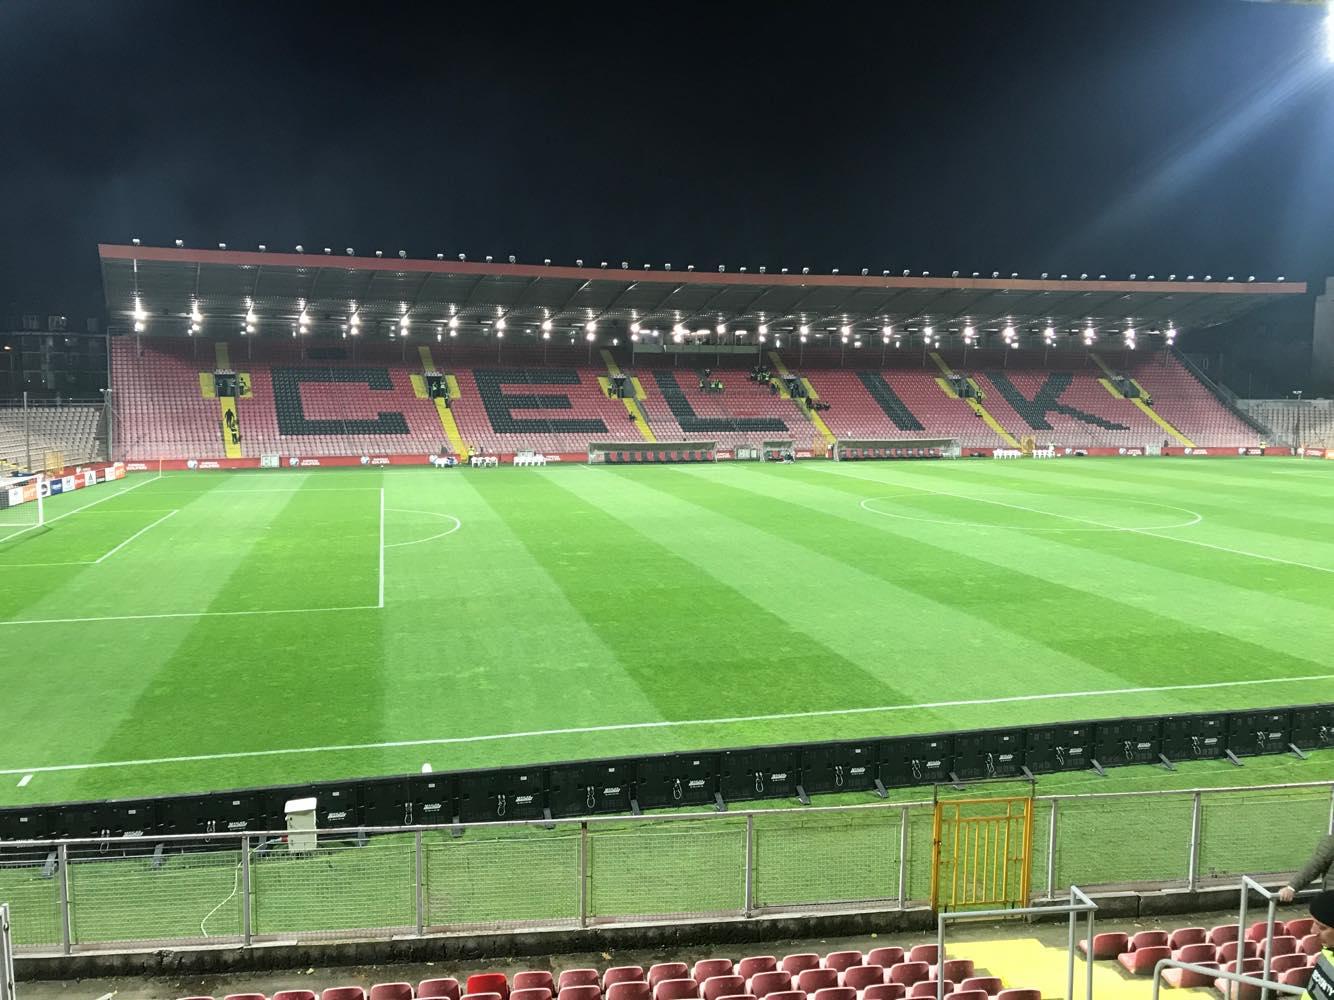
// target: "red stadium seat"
[[1295, 977], [716, 987], [343, 993], [481, 996], [1260, 930], [969, 995], [1310, 945], [909, 973], [927, 953], [489, 982], [245, 996], [861, 976], [1196, 953], [835, 993], [676, 989], [1183, 936], [810, 980], [584, 993], [707, 968], [438, 989], [630, 990], [1284, 944], [1222, 934], [1148, 939], [885, 957], [579, 977], [763, 983], [1299, 928], [531, 993], [1228, 951], [989, 985], [799, 963], [756, 963], [885, 991], [1106, 946], [536, 979], [391, 991], [667, 970], [929, 988], [954, 969], [300, 995], [1185, 979], [622, 974], [788, 995], [1141, 961]]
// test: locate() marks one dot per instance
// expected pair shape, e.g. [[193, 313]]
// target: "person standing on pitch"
[[1320, 866], [1321, 985]]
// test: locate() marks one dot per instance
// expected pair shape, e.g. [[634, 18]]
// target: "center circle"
[[1092, 523], [457, 524]]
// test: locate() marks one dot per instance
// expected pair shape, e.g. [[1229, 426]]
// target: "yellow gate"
[[981, 853]]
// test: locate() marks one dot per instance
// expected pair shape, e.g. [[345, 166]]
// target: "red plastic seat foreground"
[[1293, 960], [623, 974], [489, 982], [1141, 961], [1222, 934], [1295, 977], [245, 996], [796, 964], [667, 970], [579, 978], [928, 953], [1227, 952], [1183, 936], [1105, 946], [885, 957], [1196, 953], [1284, 944], [970, 995], [438, 989], [756, 964], [763, 983], [929, 988], [391, 991], [707, 968], [861, 976], [885, 991], [954, 969], [1310, 945], [1258, 931], [194, 998], [1299, 928], [531, 993], [909, 973], [581, 993], [481, 996], [1236, 991], [989, 985], [1148, 939], [841, 961], [300, 995], [676, 989], [637, 989], [536, 979], [788, 995], [811, 980], [835, 993], [343, 993], [717, 987], [1185, 979]]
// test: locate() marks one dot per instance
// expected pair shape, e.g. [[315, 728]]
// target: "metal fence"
[[188, 890]]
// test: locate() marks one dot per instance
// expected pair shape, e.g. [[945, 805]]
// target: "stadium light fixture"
[[453, 322], [634, 327], [500, 323], [139, 326], [591, 326], [546, 326], [677, 337], [805, 329], [500, 334], [721, 329], [180, 244], [803, 337], [195, 315], [546, 334], [764, 329], [134, 240], [1049, 334], [250, 317]]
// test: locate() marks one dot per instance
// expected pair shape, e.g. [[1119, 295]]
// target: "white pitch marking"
[[1137, 531], [418, 541], [1093, 525], [136, 535], [80, 510], [184, 614], [382, 546], [23, 781], [664, 724]]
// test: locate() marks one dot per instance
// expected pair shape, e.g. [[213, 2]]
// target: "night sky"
[[1102, 136]]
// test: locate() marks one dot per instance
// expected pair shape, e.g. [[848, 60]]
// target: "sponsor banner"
[[89, 477], [723, 456], [68, 484], [16, 496], [804, 454], [53, 487], [137, 466]]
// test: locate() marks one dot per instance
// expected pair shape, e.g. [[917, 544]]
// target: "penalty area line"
[[660, 724]]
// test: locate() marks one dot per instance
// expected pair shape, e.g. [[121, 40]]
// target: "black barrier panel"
[[838, 767], [585, 789], [993, 754], [84, 819], [499, 795], [388, 802], [178, 814], [1194, 737], [132, 818], [1058, 748], [674, 780], [916, 760], [433, 798], [1127, 741], [1253, 733], [760, 774], [337, 804], [24, 824], [1313, 727], [234, 812]]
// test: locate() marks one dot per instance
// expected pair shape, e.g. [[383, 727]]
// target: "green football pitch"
[[199, 631]]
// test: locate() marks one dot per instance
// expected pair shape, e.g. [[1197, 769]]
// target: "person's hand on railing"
[[1286, 894]]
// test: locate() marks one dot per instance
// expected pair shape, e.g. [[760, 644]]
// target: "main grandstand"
[[338, 353]]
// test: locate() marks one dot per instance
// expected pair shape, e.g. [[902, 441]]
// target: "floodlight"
[[402, 255], [764, 328], [805, 329], [721, 328], [453, 322], [379, 253], [139, 326], [546, 334], [180, 243], [348, 251], [250, 317], [500, 334], [866, 272], [590, 326], [546, 326], [300, 248], [263, 247], [222, 246], [500, 323], [134, 240], [511, 258], [634, 327], [805, 270], [195, 315]]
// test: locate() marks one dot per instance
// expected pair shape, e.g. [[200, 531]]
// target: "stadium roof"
[[162, 287]]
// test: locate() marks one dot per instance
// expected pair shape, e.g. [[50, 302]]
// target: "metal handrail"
[[1073, 908], [1235, 977], [1249, 885]]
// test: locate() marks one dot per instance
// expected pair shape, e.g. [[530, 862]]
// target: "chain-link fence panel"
[[920, 820], [136, 895], [1255, 833], [662, 868], [30, 884], [1037, 885], [1118, 839], [340, 886], [826, 858], [496, 877]]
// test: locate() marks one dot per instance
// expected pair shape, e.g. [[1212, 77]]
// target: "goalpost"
[[22, 505]]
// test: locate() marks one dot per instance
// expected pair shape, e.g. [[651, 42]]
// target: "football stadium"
[[397, 625]]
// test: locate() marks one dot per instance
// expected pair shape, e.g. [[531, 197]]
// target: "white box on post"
[[300, 826]]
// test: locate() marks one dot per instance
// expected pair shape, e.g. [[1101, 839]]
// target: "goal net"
[[651, 452], [22, 506], [879, 449]]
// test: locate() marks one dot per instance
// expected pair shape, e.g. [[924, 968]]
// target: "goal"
[[22, 505], [862, 449]]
